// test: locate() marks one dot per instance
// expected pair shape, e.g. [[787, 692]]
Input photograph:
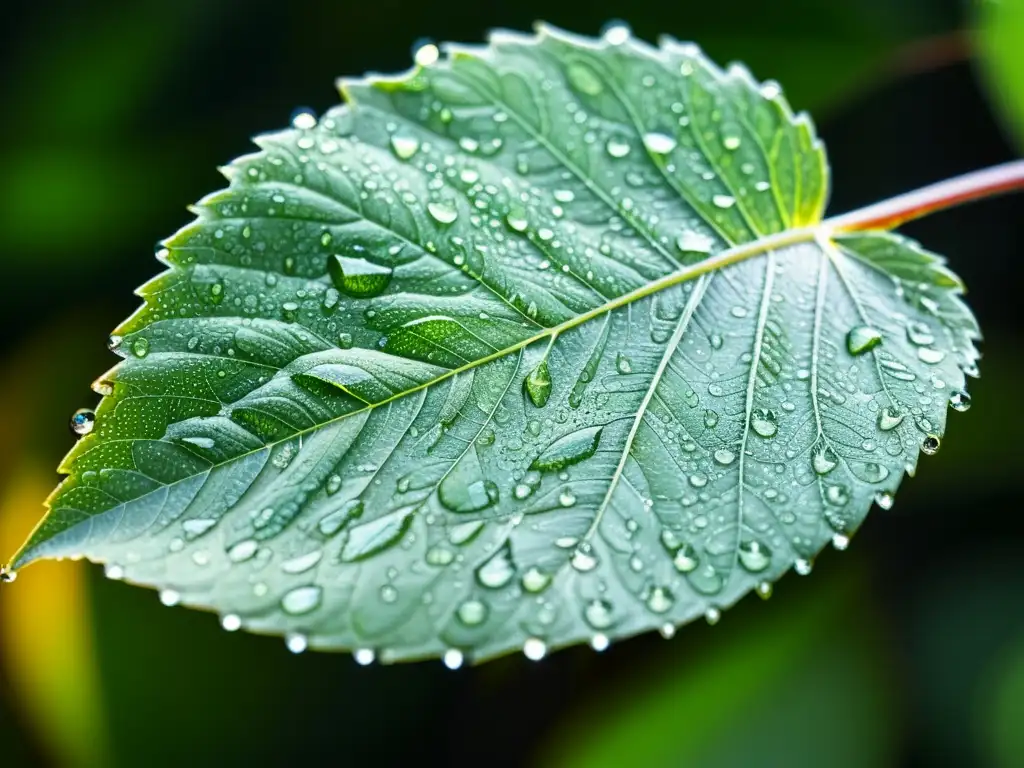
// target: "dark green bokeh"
[[118, 114]]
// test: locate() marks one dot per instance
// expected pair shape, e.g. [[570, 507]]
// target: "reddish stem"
[[935, 197]]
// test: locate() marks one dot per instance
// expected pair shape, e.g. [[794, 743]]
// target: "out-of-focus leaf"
[[803, 687], [1001, 721], [46, 637], [1001, 42], [437, 374]]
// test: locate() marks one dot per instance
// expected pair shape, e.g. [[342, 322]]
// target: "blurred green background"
[[908, 650]]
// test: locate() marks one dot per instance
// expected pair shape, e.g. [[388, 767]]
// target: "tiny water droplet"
[[453, 658], [82, 421], [472, 612], [169, 597], [231, 622], [930, 445], [443, 213], [824, 459], [712, 615], [617, 148], [140, 347], [840, 541], [764, 590], [724, 456], [803, 566], [763, 422], [623, 364], [296, 642], [404, 146], [889, 419], [364, 656], [600, 642], [7, 574], [884, 500], [659, 143], [723, 201], [301, 600], [534, 649], [583, 558], [754, 556], [960, 401], [660, 600], [930, 355]]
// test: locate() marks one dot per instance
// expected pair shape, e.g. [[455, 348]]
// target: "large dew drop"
[[82, 421], [659, 143], [569, 449], [498, 571], [358, 277], [301, 600], [538, 385], [862, 338]]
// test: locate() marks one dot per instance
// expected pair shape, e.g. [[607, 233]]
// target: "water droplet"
[[357, 277], [802, 566], [231, 622], [140, 347], [731, 142], [960, 401], [583, 558], [169, 597], [535, 580], [296, 642], [498, 570], [388, 593], [426, 54], [113, 571], [930, 355], [569, 449], [600, 642], [301, 600], [302, 563], [724, 456], [472, 612], [566, 498], [243, 550], [660, 600], [617, 148], [840, 541], [837, 495], [694, 242], [824, 459], [364, 656], [538, 385], [763, 422], [598, 614], [616, 32], [534, 649], [764, 590], [197, 526], [920, 334], [623, 364], [889, 419], [862, 338], [884, 500], [685, 559], [404, 146], [723, 201], [443, 213], [930, 445], [710, 419], [754, 556], [452, 658], [82, 421], [712, 616], [113, 342], [659, 143]]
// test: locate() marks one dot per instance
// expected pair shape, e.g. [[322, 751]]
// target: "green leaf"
[[459, 368], [1000, 25]]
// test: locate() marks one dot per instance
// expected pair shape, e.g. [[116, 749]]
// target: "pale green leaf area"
[[429, 378]]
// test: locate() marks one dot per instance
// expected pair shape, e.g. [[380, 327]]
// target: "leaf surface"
[[454, 370]]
